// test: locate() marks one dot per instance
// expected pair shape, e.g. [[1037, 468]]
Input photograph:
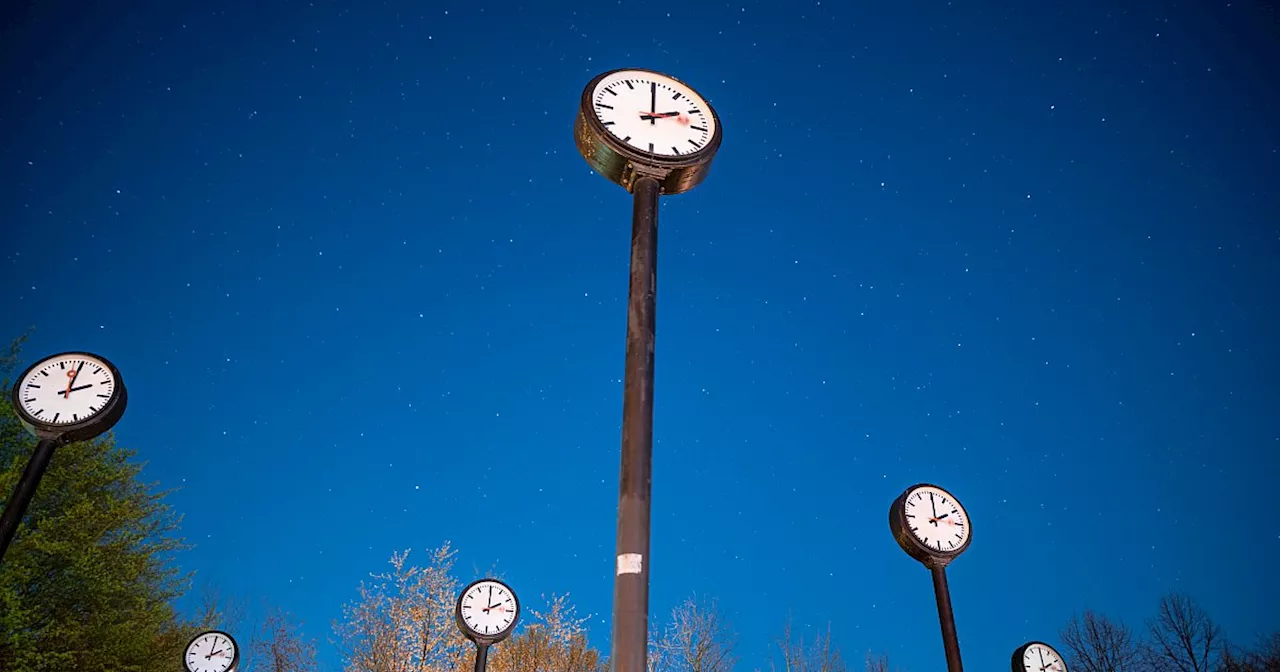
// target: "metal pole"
[[631, 581], [482, 657], [16, 507], [950, 643]]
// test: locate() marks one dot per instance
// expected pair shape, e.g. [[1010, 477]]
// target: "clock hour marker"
[[608, 123], [698, 128], [607, 107]]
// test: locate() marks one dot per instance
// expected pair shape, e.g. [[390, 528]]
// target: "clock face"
[[211, 652], [653, 113], [489, 608], [936, 519], [1039, 657], [66, 389]]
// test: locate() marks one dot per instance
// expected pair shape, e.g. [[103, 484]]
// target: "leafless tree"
[[879, 663], [820, 655], [1183, 638], [697, 639], [403, 620], [1096, 643], [555, 641], [216, 610], [1264, 657], [279, 645]]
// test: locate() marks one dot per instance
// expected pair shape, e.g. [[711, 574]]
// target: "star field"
[[366, 296]]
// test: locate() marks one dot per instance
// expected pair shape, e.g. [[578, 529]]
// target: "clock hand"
[[934, 505], [71, 380], [653, 102], [81, 387]]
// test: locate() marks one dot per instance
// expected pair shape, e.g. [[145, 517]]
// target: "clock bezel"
[[911, 544], [622, 163], [84, 430], [1016, 659], [480, 638], [235, 659]]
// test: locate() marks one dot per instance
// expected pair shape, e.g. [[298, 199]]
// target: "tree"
[[555, 641], [879, 663], [820, 655], [1264, 657], [1095, 643], [280, 647], [404, 621], [1183, 638], [697, 639], [88, 579]]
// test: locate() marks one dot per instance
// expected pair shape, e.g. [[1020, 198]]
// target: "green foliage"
[[88, 582]]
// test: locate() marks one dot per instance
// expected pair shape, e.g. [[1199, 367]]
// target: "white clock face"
[[489, 608], [653, 113], [1042, 658], [66, 389], [211, 652], [935, 518]]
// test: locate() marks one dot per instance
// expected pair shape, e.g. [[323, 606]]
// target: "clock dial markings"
[[944, 527], [211, 652], [648, 126], [88, 382], [1042, 658], [488, 608]]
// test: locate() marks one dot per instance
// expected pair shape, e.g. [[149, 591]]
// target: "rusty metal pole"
[[631, 580], [950, 642]]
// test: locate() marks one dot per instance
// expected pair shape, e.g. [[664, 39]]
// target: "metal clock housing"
[[930, 524], [211, 651], [679, 164], [71, 396], [1037, 657], [487, 611]]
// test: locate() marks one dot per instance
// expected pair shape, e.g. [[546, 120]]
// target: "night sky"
[[367, 296]]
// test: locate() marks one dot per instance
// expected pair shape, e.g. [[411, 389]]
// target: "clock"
[[487, 611], [72, 396], [211, 651], [930, 524], [1037, 657], [634, 122]]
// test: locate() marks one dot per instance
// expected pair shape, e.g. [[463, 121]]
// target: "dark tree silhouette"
[[1182, 637], [1096, 643]]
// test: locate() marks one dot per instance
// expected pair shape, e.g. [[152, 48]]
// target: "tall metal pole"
[[482, 657], [950, 642], [631, 581], [17, 505]]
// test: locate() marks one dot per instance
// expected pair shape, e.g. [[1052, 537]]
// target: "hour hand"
[[650, 116]]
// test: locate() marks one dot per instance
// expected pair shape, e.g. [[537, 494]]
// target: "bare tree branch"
[[279, 646], [403, 620], [556, 641], [1183, 637], [1095, 643], [878, 663], [821, 655], [698, 639]]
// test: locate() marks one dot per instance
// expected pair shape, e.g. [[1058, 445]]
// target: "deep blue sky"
[[367, 296]]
